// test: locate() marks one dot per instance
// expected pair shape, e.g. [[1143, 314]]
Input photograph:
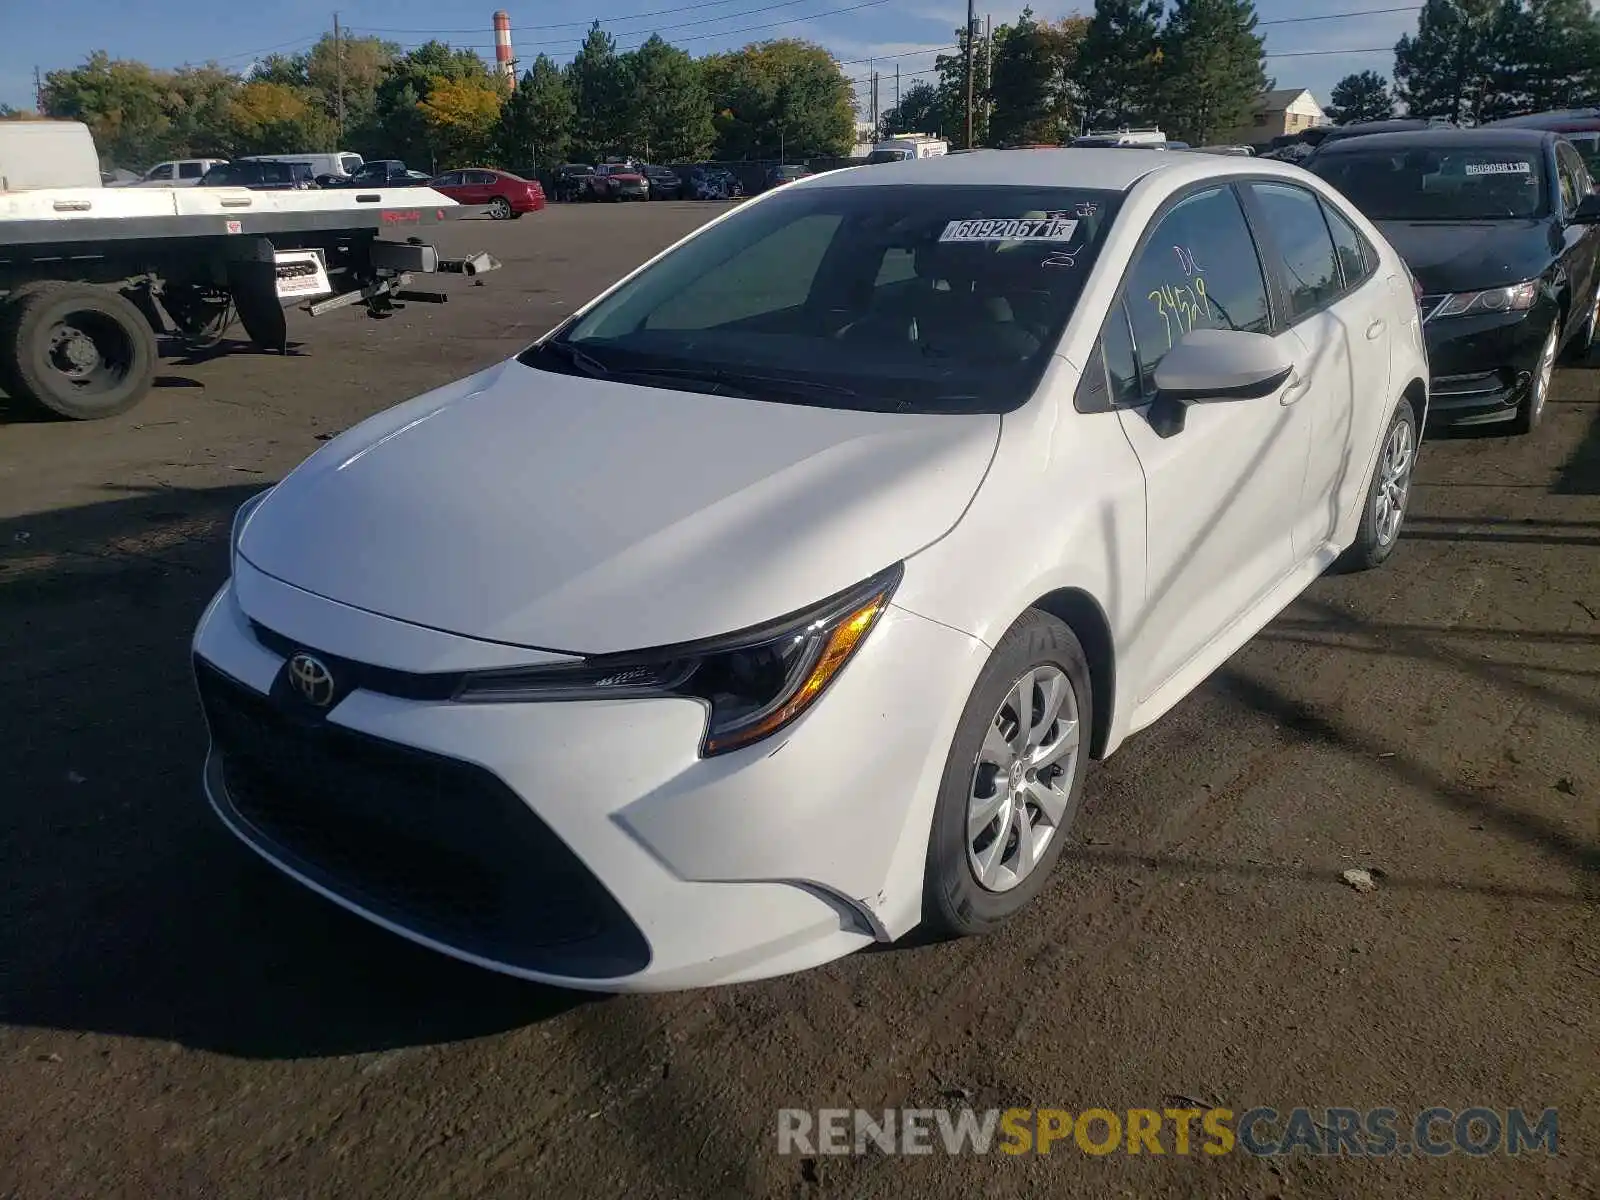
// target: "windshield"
[[1480, 183], [887, 156], [902, 298]]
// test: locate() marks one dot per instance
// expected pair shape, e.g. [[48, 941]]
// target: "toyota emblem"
[[311, 679]]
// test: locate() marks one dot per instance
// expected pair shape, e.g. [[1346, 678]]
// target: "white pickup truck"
[[90, 276]]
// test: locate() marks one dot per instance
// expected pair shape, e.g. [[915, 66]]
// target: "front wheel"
[[500, 209], [1387, 496], [1531, 410], [1013, 781]]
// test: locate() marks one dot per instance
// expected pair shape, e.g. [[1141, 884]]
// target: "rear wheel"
[[1013, 781], [500, 209], [75, 350], [1531, 409], [1387, 496]]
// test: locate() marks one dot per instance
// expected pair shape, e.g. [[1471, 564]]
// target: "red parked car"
[[505, 195]]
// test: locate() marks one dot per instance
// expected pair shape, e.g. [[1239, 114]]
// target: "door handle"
[[1376, 329], [1298, 386]]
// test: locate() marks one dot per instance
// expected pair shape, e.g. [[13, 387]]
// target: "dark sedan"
[[664, 182], [1498, 227]]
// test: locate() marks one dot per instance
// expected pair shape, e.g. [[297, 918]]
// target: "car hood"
[[626, 177], [1461, 256], [587, 516]]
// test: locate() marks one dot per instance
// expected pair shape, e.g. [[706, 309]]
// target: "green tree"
[[918, 112], [275, 118], [1119, 63], [1360, 97], [462, 116], [1034, 93], [953, 91], [197, 102], [669, 109], [536, 121], [286, 69], [367, 62], [123, 103], [1552, 57], [399, 128], [1458, 65], [1211, 72], [783, 98], [597, 78]]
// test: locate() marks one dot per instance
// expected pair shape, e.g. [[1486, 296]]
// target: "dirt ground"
[[177, 1019]]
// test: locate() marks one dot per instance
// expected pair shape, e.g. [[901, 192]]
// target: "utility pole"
[[897, 90], [874, 106], [338, 59], [971, 21], [988, 69], [38, 93]]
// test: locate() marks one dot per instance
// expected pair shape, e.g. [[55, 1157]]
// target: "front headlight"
[[1519, 297], [753, 683], [240, 516]]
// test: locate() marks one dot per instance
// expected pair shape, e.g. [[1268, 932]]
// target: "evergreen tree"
[[670, 111], [1119, 58], [1552, 58], [1211, 73], [1034, 93], [599, 87], [917, 112], [953, 91], [1457, 65], [536, 122], [1360, 97]]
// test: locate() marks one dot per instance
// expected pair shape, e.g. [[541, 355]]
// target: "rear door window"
[[1357, 259], [1297, 228], [190, 170]]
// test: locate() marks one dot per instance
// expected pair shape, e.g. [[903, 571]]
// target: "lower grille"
[[432, 844]]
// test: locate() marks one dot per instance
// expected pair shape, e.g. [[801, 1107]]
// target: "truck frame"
[[89, 278]]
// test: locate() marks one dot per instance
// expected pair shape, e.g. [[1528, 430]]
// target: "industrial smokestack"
[[504, 65]]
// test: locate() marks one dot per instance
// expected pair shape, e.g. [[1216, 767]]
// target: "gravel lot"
[[176, 1019]]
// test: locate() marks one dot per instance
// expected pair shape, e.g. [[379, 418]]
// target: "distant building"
[[1279, 112]]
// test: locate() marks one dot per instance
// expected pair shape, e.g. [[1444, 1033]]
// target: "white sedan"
[[776, 603]]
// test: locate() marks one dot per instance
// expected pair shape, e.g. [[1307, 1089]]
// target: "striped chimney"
[[504, 65]]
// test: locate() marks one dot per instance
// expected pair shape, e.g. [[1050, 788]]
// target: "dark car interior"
[[1480, 183]]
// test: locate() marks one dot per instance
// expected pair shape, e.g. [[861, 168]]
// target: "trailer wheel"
[[76, 350]]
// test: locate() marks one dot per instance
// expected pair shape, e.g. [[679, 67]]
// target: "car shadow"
[[129, 910]]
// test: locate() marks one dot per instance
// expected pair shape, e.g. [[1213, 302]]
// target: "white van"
[[903, 146], [47, 154], [178, 172], [339, 162]]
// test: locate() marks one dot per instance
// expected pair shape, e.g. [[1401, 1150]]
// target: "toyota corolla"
[[777, 602]]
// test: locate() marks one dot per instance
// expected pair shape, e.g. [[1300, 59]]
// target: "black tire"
[[74, 350], [1579, 351], [1531, 411], [955, 903], [500, 209], [1372, 547]]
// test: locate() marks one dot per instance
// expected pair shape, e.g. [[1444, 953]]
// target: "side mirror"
[[1588, 210], [1214, 366]]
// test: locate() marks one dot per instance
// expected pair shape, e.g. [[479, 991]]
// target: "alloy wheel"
[[1021, 792], [1394, 482], [499, 208]]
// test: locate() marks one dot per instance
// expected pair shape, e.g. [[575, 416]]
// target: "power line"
[[264, 49], [1366, 12], [846, 62], [660, 12], [699, 37], [1320, 53]]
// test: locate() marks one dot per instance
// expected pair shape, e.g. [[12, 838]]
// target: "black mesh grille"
[[436, 845]]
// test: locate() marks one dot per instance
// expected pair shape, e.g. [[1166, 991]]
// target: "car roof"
[[1441, 139], [1550, 120], [1064, 167]]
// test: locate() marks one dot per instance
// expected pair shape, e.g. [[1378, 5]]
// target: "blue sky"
[[178, 31]]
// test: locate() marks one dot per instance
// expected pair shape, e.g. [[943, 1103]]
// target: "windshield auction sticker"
[[1501, 168], [1010, 229]]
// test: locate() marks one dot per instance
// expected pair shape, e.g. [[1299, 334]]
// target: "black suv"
[[261, 175]]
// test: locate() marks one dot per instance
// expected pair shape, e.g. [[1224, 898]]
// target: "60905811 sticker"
[[1498, 168], [1010, 229]]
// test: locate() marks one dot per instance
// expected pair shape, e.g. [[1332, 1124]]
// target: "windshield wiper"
[[573, 357], [749, 384]]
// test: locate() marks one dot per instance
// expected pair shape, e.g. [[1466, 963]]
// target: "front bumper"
[[583, 844], [1482, 366]]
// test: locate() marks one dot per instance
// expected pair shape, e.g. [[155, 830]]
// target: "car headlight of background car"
[[1518, 297], [753, 683]]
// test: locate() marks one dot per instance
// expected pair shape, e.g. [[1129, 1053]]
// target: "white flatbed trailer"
[[89, 277]]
